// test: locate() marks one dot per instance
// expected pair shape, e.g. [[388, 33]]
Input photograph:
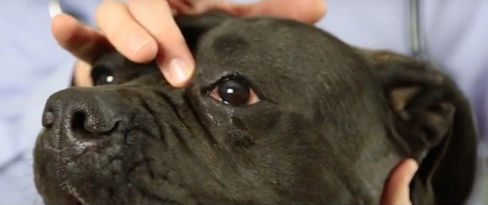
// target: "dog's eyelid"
[[233, 76]]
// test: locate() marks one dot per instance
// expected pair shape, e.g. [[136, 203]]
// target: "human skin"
[[397, 190]]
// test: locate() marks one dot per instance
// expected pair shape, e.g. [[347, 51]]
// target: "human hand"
[[145, 30], [396, 190]]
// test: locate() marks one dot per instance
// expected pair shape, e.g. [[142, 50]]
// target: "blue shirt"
[[32, 68], [28, 55]]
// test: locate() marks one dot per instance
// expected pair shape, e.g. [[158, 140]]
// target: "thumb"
[[396, 190]]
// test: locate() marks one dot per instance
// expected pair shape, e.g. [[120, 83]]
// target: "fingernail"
[[413, 164], [178, 72], [138, 41]]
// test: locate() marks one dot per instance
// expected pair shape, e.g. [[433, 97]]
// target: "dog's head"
[[278, 112]]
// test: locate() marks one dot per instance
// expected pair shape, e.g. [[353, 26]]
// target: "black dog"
[[278, 112]]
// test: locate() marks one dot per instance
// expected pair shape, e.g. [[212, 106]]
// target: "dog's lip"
[[73, 200], [66, 195], [73, 194], [70, 195]]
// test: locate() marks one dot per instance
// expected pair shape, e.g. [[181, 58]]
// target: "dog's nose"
[[84, 112]]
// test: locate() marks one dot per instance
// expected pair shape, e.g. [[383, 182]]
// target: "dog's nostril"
[[78, 125], [78, 121]]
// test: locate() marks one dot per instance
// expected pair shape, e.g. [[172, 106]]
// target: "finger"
[[174, 57], [198, 6], [182, 7], [123, 31], [397, 189], [307, 11], [81, 76], [82, 41]]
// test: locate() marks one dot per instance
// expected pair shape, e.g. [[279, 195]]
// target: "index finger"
[[82, 41], [174, 57]]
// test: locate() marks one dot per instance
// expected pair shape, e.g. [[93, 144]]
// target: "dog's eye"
[[234, 91], [102, 75]]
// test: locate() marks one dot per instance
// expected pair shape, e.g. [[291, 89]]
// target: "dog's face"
[[277, 113]]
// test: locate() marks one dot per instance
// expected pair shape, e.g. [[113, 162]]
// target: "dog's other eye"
[[234, 91], [102, 75]]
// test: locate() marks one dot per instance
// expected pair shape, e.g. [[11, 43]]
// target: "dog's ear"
[[193, 27], [433, 120]]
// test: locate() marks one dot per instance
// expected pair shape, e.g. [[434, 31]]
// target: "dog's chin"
[[108, 170], [73, 191], [54, 180], [69, 195]]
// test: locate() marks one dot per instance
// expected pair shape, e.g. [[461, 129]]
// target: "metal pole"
[[417, 41], [54, 8]]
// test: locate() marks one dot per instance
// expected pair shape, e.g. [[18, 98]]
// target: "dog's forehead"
[[244, 45], [276, 55]]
